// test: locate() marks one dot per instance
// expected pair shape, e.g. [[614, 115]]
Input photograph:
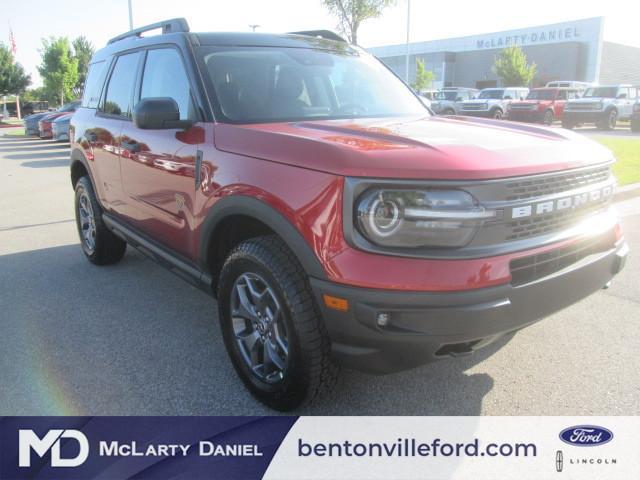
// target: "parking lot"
[[133, 339]]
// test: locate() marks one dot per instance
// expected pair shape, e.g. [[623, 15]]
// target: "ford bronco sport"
[[604, 105], [334, 218], [493, 102], [542, 105]]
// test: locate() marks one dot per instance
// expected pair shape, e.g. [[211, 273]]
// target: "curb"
[[626, 192]]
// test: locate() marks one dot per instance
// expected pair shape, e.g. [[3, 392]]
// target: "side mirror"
[[158, 113], [622, 95]]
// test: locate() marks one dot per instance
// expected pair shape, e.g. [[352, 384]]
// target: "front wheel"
[[496, 114], [272, 328], [610, 121], [568, 124], [548, 117], [99, 244]]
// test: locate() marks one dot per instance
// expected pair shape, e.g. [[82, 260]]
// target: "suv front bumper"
[[424, 326], [584, 117]]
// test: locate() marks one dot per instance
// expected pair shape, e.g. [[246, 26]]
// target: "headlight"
[[419, 218]]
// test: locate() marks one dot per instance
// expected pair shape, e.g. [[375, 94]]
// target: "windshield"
[[542, 95], [495, 94], [69, 107], [449, 95], [270, 84], [605, 92]]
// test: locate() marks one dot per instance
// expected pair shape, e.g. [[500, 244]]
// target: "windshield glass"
[[495, 94], [606, 92], [542, 95], [270, 84], [69, 107], [449, 95]]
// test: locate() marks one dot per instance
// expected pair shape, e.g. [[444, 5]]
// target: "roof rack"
[[326, 34], [168, 26]]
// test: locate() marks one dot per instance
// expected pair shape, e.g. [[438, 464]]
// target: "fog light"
[[383, 319]]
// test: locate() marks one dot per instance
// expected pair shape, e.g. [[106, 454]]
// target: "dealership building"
[[562, 51]]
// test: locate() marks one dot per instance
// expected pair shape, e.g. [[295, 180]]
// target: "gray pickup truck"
[[493, 102]]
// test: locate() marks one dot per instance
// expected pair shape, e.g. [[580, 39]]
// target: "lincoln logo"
[[586, 435], [28, 440], [564, 203]]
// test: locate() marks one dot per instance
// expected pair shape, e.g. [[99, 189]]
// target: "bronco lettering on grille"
[[563, 203]]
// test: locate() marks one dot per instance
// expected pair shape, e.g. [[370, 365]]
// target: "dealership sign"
[[530, 38]]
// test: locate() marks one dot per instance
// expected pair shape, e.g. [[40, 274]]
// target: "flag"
[[12, 42]]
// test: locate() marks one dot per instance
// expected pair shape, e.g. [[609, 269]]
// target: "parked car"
[[579, 86], [493, 102], [604, 105], [28, 108], [542, 105], [60, 127], [449, 100], [301, 183], [45, 123], [30, 123], [635, 117], [428, 93]]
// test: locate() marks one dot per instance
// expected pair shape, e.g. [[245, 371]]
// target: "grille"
[[474, 106], [584, 106], [528, 269], [551, 222], [524, 106], [524, 189]]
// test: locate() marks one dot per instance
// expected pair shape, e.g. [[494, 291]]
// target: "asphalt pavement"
[[134, 339]]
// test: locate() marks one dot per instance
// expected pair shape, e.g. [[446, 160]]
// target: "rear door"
[[158, 166], [114, 111]]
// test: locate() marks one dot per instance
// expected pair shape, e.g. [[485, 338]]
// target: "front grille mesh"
[[524, 189], [529, 269]]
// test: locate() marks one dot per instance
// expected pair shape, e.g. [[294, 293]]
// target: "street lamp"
[[406, 60], [130, 16], [254, 26]]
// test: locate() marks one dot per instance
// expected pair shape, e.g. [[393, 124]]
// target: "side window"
[[509, 93], [562, 95], [120, 88], [633, 93], [164, 76], [93, 84], [623, 93]]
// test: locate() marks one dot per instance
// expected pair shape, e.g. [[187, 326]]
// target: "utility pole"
[[406, 60], [130, 16]]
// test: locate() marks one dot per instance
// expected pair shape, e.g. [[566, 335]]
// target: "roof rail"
[[168, 26], [326, 34]]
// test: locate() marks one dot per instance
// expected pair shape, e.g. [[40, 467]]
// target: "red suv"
[[542, 105], [334, 218]]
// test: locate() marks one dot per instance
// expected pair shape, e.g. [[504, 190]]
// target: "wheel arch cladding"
[[79, 168], [258, 218]]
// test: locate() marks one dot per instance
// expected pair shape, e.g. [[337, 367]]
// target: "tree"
[[512, 67], [351, 13], [82, 51], [13, 79], [59, 69], [424, 77]]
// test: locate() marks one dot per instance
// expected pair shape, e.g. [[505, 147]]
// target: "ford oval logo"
[[586, 435]]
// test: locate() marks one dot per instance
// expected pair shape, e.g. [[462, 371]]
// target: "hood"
[[481, 100], [51, 117], [453, 148], [36, 116], [64, 118]]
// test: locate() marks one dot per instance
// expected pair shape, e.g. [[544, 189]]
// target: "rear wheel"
[[568, 124], [272, 328], [99, 244], [548, 117], [449, 111]]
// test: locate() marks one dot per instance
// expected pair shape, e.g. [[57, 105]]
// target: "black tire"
[[548, 118], [308, 370], [610, 120], [449, 111], [496, 114], [568, 125], [107, 248]]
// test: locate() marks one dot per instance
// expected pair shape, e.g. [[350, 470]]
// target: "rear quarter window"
[[93, 85]]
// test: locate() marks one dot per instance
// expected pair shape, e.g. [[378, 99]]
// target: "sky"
[[32, 20]]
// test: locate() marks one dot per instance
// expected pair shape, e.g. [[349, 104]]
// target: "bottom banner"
[[473, 448]]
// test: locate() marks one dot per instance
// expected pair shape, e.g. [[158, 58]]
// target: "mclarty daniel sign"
[[565, 34]]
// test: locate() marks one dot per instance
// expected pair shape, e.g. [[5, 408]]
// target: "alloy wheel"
[[259, 327], [87, 222]]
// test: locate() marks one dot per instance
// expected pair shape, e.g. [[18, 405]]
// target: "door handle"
[[198, 166]]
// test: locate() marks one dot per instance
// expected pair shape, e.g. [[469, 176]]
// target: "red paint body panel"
[[427, 148], [147, 177], [541, 106]]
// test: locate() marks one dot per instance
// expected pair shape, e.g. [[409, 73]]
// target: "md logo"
[[28, 441]]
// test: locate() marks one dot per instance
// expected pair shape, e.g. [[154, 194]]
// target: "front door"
[[158, 166]]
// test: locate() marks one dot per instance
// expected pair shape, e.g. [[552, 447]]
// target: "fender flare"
[[254, 208], [75, 157]]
